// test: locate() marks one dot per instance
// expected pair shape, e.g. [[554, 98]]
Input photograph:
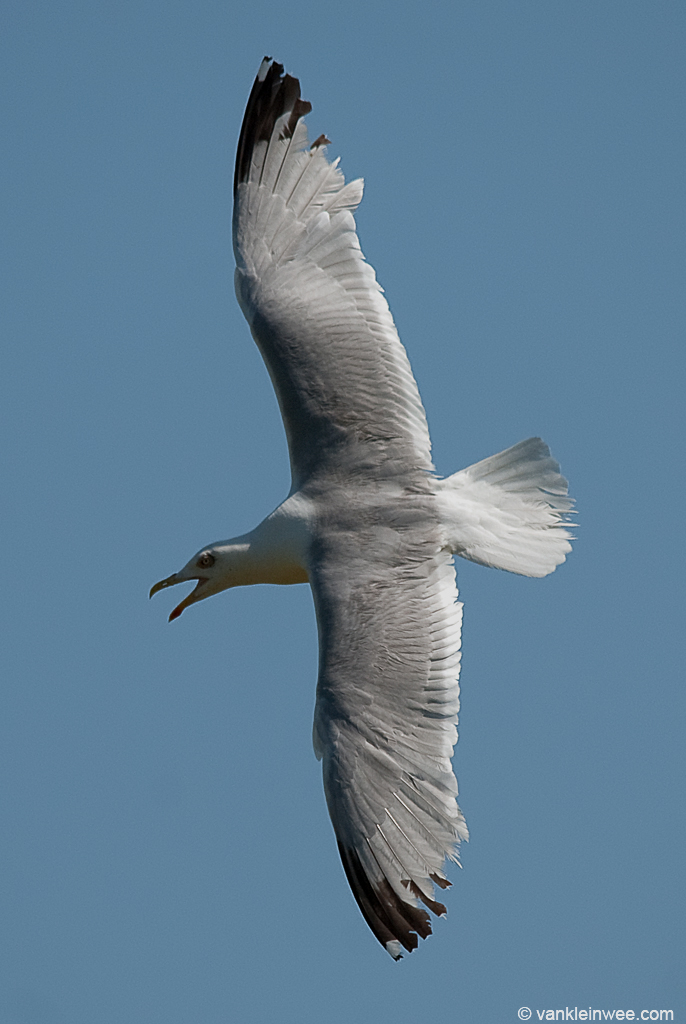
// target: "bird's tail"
[[510, 511]]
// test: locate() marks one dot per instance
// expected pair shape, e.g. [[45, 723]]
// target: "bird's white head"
[[216, 567]]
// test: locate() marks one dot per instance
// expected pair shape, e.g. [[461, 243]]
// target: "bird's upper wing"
[[386, 714], [344, 384]]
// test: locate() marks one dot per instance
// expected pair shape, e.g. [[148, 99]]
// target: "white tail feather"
[[510, 511]]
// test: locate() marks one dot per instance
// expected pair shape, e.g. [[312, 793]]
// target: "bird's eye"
[[205, 560]]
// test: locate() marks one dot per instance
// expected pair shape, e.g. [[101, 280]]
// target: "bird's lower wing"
[[385, 722]]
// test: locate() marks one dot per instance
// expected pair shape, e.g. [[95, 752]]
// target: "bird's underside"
[[368, 523]]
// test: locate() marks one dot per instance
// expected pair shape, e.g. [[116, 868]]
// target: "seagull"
[[368, 523]]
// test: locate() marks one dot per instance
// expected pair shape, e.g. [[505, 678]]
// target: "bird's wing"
[[385, 719], [344, 384]]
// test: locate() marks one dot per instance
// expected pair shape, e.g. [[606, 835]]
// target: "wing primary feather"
[[422, 825], [390, 918], [367, 900], [405, 918], [283, 161], [438, 909], [271, 97], [407, 839], [394, 855]]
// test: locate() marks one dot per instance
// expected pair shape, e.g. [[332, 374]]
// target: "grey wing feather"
[[344, 384]]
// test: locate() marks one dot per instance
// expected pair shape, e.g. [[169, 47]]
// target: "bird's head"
[[216, 568]]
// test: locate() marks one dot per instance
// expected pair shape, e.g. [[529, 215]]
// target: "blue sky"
[[167, 855]]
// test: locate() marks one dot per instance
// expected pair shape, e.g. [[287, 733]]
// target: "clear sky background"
[[167, 856]]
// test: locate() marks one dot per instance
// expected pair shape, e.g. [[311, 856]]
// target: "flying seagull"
[[368, 523]]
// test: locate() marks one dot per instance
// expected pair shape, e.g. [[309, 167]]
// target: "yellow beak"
[[169, 582]]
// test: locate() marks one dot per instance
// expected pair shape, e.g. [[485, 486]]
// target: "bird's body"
[[368, 523]]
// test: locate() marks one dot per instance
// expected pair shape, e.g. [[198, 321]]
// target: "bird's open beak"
[[169, 582]]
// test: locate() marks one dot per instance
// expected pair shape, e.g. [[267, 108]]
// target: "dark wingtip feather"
[[442, 883], [438, 908], [321, 141], [273, 94], [389, 917]]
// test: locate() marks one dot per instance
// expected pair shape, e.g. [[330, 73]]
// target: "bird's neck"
[[275, 551]]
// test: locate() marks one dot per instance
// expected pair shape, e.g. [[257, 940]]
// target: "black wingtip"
[[272, 95], [394, 922]]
